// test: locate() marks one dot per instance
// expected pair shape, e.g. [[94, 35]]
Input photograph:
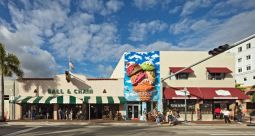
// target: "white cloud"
[[190, 6], [181, 26], [175, 10], [139, 31], [101, 7], [135, 56], [229, 7], [228, 31], [145, 4], [105, 70]]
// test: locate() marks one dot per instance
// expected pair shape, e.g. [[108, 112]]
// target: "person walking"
[[226, 115]]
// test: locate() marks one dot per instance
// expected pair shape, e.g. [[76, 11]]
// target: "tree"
[[9, 65]]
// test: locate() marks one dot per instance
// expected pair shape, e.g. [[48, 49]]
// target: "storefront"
[[202, 101], [82, 98]]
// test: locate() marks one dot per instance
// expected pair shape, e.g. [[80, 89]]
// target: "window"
[[253, 77], [239, 59], [182, 76], [250, 105], [248, 46], [239, 70], [239, 49], [245, 79], [248, 57], [216, 76], [248, 68]]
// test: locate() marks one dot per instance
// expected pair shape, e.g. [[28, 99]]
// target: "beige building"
[[55, 98], [207, 85]]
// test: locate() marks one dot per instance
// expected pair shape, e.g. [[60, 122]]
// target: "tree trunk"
[[2, 98]]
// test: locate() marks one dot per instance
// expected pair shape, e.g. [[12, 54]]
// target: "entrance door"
[[133, 111]]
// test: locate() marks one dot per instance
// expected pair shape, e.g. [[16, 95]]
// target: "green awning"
[[122, 100], [26, 99], [110, 100], [107, 100], [99, 100], [86, 99], [66, 100]]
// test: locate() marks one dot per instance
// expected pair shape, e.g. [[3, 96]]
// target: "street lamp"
[[186, 93]]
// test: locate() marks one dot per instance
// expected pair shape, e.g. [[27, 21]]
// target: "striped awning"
[[107, 100], [30, 99], [66, 100]]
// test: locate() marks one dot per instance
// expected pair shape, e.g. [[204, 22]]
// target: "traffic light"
[[219, 49], [68, 76]]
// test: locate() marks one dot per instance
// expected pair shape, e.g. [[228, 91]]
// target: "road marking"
[[232, 134], [21, 131]]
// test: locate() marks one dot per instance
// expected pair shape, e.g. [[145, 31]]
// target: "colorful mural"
[[142, 76]]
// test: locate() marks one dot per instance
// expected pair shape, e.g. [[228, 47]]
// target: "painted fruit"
[[147, 66]]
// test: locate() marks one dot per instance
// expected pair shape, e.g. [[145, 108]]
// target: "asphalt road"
[[100, 130]]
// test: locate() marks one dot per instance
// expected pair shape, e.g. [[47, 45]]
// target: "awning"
[[66, 100], [218, 70], [30, 99], [176, 69], [223, 93], [178, 93], [107, 100], [205, 93]]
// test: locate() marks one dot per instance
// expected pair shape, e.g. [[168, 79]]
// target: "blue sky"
[[95, 34]]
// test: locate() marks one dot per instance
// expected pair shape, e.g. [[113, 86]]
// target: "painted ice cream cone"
[[145, 96]]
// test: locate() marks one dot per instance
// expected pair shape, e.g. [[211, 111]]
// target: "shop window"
[[182, 76], [250, 105], [239, 49], [179, 105], [248, 46], [206, 107], [216, 76]]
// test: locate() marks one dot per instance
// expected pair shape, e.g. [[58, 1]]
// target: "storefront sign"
[[69, 91], [177, 105], [223, 92]]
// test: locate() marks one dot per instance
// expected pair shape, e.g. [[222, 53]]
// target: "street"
[[105, 130]]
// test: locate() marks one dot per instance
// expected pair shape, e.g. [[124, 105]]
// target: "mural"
[[142, 76]]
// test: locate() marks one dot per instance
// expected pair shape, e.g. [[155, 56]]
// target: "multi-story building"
[[245, 61], [208, 85]]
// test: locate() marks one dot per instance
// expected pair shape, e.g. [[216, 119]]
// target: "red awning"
[[206, 93], [175, 69], [218, 70], [176, 93], [223, 93]]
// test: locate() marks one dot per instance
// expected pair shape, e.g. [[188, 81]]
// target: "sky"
[[95, 34]]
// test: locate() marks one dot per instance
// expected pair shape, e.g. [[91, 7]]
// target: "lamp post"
[[185, 103]]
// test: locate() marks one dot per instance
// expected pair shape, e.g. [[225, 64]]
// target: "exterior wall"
[[112, 87], [119, 69], [199, 79], [248, 74]]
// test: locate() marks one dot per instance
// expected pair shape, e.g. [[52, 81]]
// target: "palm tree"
[[9, 64]]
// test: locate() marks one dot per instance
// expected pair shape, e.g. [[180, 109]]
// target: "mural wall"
[[142, 76]]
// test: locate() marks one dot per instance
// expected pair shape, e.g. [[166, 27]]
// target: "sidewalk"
[[116, 123]]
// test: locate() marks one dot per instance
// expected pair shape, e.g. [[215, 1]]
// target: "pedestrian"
[[158, 118], [33, 114], [226, 115], [47, 113], [170, 117], [59, 113], [71, 115]]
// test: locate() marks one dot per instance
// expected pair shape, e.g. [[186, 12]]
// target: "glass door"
[[133, 111]]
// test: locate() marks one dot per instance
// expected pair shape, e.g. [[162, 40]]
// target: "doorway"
[[133, 111]]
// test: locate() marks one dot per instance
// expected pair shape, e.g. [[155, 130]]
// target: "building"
[[245, 67], [245, 61], [81, 98], [9, 92], [208, 85]]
